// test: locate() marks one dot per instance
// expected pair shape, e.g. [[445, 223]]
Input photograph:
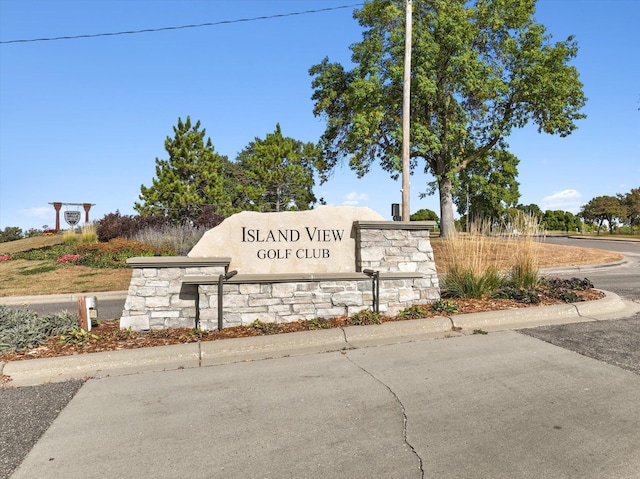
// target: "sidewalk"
[[501, 406], [195, 355]]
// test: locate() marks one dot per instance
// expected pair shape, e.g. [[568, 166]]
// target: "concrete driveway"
[[501, 405]]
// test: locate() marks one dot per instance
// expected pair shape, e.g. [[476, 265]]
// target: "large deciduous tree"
[[559, 220], [276, 174], [604, 208], [488, 187], [424, 214], [189, 180], [631, 202], [479, 69]]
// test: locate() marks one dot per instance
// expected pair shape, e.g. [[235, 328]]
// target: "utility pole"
[[406, 109]]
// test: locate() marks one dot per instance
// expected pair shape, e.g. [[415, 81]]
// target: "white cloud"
[[353, 198], [39, 212], [566, 200]]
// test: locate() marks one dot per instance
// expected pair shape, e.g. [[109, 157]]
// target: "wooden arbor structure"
[[57, 205]]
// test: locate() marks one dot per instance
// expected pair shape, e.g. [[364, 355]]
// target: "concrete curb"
[[208, 353], [516, 318], [585, 267], [397, 332], [271, 346], [108, 363], [609, 307]]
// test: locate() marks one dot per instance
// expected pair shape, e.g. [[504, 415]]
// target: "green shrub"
[[412, 312], [46, 253], [525, 275], [465, 283], [447, 306], [316, 323], [364, 317], [520, 295], [565, 295], [266, 328], [22, 328]]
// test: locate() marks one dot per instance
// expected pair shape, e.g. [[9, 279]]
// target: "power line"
[[180, 27]]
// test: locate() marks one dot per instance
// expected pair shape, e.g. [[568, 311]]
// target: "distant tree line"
[[620, 213], [622, 210], [13, 233]]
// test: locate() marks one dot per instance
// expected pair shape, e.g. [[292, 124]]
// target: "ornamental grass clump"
[[180, 238], [473, 263], [22, 328], [70, 238], [479, 265], [85, 235], [89, 234], [527, 237]]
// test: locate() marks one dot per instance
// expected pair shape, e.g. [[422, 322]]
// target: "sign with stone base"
[[281, 267]]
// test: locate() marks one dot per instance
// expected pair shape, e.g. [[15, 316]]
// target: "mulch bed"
[[107, 335]]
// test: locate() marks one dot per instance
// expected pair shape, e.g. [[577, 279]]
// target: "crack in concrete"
[[404, 412], [577, 310], [454, 328], [346, 341]]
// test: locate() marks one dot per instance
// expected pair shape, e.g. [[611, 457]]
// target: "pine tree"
[[190, 179], [276, 174]]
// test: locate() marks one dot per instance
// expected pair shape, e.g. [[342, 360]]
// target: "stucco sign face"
[[315, 241], [72, 217]]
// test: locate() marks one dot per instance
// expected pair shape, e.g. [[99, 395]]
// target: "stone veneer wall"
[[157, 296], [396, 247], [162, 293]]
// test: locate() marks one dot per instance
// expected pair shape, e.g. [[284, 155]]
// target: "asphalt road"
[[25, 414], [613, 342], [624, 280], [110, 308]]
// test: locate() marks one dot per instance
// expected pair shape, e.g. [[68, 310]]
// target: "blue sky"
[[82, 121]]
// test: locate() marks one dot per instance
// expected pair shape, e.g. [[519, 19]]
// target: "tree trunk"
[[447, 225]]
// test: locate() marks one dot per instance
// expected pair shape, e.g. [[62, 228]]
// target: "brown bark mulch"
[[107, 335]]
